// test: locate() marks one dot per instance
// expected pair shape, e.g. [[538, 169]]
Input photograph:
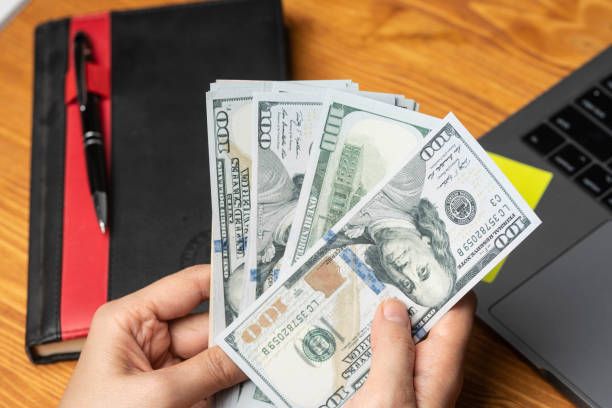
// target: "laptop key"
[[598, 105], [543, 139], [596, 180], [585, 132], [570, 160]]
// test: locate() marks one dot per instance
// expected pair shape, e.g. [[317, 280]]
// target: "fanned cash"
[[230, 163], [228, 113], [427, 233], [284, 124], [358, 143]]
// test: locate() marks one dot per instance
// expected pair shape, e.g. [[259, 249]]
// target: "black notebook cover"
[[163, 60]]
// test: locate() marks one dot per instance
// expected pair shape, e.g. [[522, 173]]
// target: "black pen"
[[92, 130]]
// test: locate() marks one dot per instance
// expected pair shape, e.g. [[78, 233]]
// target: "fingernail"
[[395, 311]]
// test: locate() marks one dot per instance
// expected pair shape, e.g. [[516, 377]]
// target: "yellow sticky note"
[[529, 181]]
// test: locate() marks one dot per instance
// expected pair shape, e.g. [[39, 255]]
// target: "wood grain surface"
[[480, 59]]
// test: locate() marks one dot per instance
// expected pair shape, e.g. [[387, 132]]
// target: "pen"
[[92, 130]]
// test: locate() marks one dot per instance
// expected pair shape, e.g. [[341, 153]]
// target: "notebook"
[[152, 68]]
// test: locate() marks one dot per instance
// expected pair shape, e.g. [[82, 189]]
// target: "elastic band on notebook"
[[84, 285]]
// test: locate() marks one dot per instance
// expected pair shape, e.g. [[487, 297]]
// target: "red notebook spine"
[[85, 250]]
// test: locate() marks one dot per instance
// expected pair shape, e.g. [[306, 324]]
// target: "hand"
[[428, 375], [144, 350]]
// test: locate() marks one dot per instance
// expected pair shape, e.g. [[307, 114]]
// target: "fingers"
[[200, 377], [189, 335], [390, 382], [175, 295], [439, 365], [449, 337], [456, 325], [202, 404]]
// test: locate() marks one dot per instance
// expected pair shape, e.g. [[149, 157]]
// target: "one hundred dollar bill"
[[358, 142], [229, 135], [228, 112], [426, 235]]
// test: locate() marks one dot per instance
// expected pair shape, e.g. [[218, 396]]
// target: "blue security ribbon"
[[329, 236], [217, 245], [362, 270]]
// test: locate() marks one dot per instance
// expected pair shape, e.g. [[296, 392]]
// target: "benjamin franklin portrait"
[[409, 243]]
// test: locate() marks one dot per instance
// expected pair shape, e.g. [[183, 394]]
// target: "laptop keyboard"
[[578, 140]]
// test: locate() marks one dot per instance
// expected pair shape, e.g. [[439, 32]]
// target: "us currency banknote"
[[425, 234], [228, 111], [358, 142]]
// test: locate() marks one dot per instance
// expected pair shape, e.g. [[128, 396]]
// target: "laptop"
[[553, 297]]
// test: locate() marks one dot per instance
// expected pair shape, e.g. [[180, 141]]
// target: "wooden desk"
[[480, 59]]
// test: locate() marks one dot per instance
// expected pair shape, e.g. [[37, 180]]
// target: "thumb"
[[199, 377], [391, 376]]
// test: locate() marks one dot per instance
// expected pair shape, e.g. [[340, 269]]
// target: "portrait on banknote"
[[408, 242]]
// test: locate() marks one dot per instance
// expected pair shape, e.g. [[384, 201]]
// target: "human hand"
[[144, 350], [429, 374]]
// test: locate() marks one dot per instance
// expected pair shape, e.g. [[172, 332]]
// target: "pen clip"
[[82, 54]]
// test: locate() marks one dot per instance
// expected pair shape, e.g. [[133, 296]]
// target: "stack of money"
[[326, 200]]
